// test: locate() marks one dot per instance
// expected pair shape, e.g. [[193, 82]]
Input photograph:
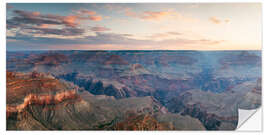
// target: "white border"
[[254, 117], [266, 68]]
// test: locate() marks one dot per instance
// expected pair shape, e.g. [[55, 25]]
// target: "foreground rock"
[[40, 102]]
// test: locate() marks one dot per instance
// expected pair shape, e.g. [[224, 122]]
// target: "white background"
[[265, 81]]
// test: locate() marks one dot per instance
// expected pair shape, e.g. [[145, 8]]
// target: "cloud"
[[169, 14], [100, 29], [147, 15], [130, 13], [84, 11], [158, 15], [70, 20], [174, 33], [22, 18], [227, 20], [95, 18], [88, 14], [210, 42], [45, 26], [36, 18], [150, 15], [37, 24], [161, 36], [101, 38], [216, 20], [59, 32]]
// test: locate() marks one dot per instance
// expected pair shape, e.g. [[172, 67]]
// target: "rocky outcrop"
[[115, 59], [136, 67], [141, 122], [36, 89], [43, 100]]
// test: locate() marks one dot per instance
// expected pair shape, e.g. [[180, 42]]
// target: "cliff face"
[[42, 100], [23, 87], [36, 89], [51, 104]]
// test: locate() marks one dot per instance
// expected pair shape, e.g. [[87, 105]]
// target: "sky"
[[133, 26]]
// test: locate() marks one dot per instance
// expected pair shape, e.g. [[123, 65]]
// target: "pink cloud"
[[155, 15], [227, 20], [150, 15], [216, 20], [44, 26], [95, 18], [70, 20], [129, 12]]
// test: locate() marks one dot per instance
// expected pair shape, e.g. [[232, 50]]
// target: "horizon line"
[[131, 50]]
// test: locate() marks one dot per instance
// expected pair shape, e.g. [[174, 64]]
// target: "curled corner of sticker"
[[249, 120]]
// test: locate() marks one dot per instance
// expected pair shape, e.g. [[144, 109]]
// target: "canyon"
[[131, 90]]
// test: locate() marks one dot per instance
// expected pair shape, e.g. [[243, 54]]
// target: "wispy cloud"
[[101, 38], [100, 29], [163, 15], [59, 32], [165, 35], [149, 15], [95, 18], [88, 14], [216, 20]]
